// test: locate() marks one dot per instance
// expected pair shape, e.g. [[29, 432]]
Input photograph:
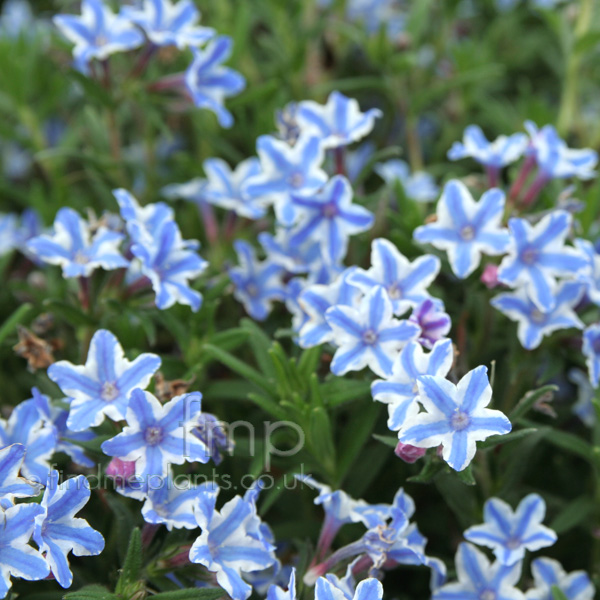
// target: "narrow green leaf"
[[513, 436], [15, 319], [430, 470], [191, 594], [239, 367], [230, 339], [530, 398], [388, 440], [90, 592], [260, 343], [466, 476], [309, 361], [268, 406], [69, 313], [132, 565], [340, 391], [572, 515], [558, 594]]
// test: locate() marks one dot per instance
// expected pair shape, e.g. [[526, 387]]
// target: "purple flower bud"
[[489, 277], [409, 454], [120, 470], [433, 321]]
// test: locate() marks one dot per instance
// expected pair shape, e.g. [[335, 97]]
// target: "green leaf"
[[15, 319], [433, 467], [513, 436], [558, 594], [132, 565], [572, 515], [230, 339], [191, 594], [530, 398], [466, 476], [90, 592], [260, 343], [239, 367], [69, 313], [340, 391], [388, 440]]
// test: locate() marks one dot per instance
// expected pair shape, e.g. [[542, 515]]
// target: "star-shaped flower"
[[11, 485], [158, 435], [480, 580], [102, 387], [27, 427], [168, 24], [257, 284], [495, 155], [226, 545], [400, 391], [368, 336], [223, 187], [169, 262], [555, 159], [17, 557], [339, 122], [418, 186], [73, 247], [330, 217], [591, 350], [316, 299], [97, 33], [287, 171], [510, 533], [466, 229], [537, 255], [150, 217], [289, 593], [368, 589], [433, 321], [405, 282], [548, 573], [58, 532], [210, 83], [535, 324], [590, 274], [66, 438], [294, 258], [456, 417], [172, 503]]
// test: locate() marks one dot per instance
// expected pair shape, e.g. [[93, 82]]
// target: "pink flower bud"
[[120, 470], [489, 277], [409, 454]]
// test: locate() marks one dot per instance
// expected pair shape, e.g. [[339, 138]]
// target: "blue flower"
[[590, 274], [73, 246], [58, 532], [555, 159], [257, 284], [477, 578], [400, 391], [283, 250], [368, 336], [170, 263], [330, 218], [456, 417], [17, 557], [97, 33], [510, 533], [376, 14], [503, 151], [357, 160], [548, 573], [172, 503], [227, 545], [102, 387], [58, 416], [433, 321], [418, 186], [339, 122], [223, 187], [158, 435], [11, 485], [276, 593], [213, 434], [150, 217], [15, 232], [287, 123], [466, 229], [168, 24], [210, 83], [368, 589], [584, 407], [287, 171], [591, 350], [535, 324], [406, 283], [26, 426], [537, 255], [316, 299]]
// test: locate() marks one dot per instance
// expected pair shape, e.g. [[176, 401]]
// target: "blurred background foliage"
[[68, 140]]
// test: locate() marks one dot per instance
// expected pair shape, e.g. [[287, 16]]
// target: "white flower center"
[[459, 420], [513, 543], [80, 258], [153, 435], [529, 256], [487, 595], [369, 337], [109, 391], [252, 290], [330, 210], [467, 233], [537, 316], [296, 180], [395, 291]]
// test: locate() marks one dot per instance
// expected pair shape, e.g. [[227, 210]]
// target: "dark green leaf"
[[90, 592], [191, 594], [132, 565]]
